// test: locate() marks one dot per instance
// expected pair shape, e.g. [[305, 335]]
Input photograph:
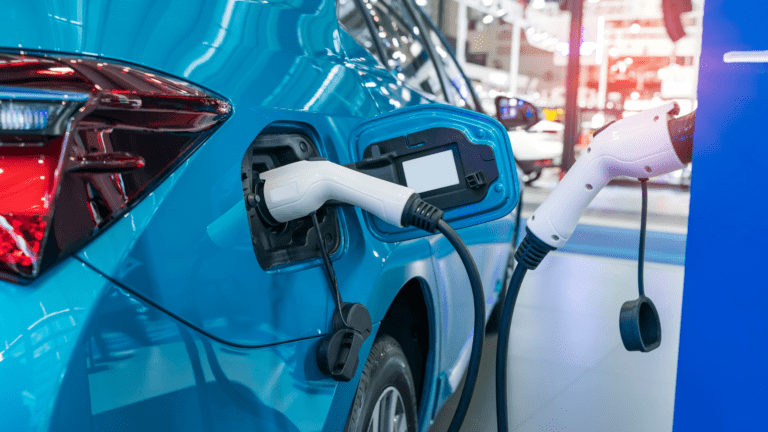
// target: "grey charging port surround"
[[426, 160]]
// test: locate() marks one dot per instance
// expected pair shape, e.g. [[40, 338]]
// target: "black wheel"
[[385, 398]]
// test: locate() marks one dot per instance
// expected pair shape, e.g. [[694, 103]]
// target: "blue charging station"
[[722, 383]]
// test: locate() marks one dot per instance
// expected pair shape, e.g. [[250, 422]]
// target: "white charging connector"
[[644, 145], [639, 146], [296, 190]]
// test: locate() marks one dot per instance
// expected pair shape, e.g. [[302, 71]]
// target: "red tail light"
[[81, 141]]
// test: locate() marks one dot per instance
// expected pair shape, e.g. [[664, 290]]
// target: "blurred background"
[[628, 59]]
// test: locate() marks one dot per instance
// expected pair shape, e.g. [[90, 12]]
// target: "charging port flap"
[[458, 160]]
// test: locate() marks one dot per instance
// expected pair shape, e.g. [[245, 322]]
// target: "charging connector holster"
[[338, 352]]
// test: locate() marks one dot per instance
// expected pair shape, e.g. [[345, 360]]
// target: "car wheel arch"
[[410, 319]]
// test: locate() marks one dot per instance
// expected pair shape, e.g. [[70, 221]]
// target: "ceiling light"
[[598, 120]]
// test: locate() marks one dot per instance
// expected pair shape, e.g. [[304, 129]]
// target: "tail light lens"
[[81, 141]]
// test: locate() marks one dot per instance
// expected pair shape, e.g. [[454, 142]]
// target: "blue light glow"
[[24, 116]]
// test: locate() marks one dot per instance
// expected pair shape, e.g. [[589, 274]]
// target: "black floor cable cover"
[[478, 334]]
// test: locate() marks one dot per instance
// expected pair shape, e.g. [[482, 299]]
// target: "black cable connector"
[[421, 214], [532, 250]]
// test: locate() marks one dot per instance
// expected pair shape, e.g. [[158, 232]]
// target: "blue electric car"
[[139, 289]]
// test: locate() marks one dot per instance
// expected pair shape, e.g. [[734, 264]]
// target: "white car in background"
[[536, 143], [537, 147]]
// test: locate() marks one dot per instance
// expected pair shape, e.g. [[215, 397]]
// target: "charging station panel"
[[458, 160]]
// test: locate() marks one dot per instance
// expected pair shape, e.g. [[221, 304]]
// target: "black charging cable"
[[639, 322], [427, 217], [643, 223], [478, 299], [637, 334], [420, 214], [528, 255], [329, 270], [502, 345]]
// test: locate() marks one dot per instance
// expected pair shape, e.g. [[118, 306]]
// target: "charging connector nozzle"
[[421, 214]]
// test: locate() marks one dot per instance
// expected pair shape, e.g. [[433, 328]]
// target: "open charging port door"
[[282, 245], [458, 160]]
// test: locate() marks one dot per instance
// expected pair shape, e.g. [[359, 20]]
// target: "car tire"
[[385, 396]]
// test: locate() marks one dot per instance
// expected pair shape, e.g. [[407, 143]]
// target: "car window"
[[458, 89], [351, 18], [406, 53]]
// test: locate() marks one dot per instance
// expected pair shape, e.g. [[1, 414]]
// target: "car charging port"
[[279, 244]]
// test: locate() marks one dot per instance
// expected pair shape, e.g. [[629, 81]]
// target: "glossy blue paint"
[[387, 91], [175, 379], [41, 325], [185, 293], [91, 356]]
